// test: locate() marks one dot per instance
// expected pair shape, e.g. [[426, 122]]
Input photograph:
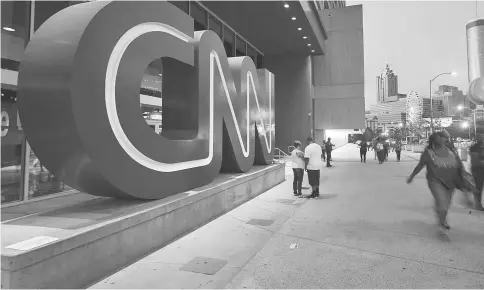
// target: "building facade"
[[300, 43], [389, 115], [452, 98], [437, 107]]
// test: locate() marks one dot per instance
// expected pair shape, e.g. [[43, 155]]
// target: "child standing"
[[297, 157]]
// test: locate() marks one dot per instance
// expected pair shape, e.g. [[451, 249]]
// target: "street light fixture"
[[465, 125], [473, 111], [454, 74]]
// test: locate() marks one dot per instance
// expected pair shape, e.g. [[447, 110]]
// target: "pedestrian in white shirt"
[[312, 157], [297, 157]]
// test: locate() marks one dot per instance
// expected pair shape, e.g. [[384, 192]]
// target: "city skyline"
[[409, 47]]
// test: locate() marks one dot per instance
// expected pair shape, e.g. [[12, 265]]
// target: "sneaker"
[[313, 195]]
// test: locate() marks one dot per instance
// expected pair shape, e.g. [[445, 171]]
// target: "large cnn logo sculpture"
[[79, 101]]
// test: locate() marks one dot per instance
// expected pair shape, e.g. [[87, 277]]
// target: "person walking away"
[[329, 149], [363, 149], [313, 164], [398, 149], [374, 145], [386, 148], [380, 150], [297, 157], [477, 169], [323, 147], [443, 174]]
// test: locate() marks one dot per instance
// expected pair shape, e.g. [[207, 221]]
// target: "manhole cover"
[[260, 222], [203, 265]]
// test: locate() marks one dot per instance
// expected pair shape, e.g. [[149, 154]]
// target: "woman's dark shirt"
[[442, 169]]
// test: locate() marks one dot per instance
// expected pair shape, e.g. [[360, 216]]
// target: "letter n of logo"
[[79, 101]]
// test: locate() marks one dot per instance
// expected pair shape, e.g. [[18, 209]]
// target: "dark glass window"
[[260, 61], [182, 5], [199, 16], [12, 141], [252, 53], [215, 26], [240, 47], [15, 32], [45, 9], [229, 42]]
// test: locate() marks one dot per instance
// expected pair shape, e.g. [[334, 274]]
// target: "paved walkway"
[[368, 230]]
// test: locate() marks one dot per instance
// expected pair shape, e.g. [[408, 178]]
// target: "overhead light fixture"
[[299, 29], [309, 44], [286, 5], [305, 37], [8, 28], [294, 18]]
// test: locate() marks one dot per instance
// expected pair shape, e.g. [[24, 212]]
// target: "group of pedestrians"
[[446, 172], [310, 161], [381, 149]]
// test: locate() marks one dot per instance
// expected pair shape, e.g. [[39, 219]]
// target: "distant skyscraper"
[[452, 98], [387, 84]]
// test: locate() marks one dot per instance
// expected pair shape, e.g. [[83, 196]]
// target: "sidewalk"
[[368, 230]]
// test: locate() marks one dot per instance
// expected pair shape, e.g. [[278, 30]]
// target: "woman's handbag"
[[467, 182]]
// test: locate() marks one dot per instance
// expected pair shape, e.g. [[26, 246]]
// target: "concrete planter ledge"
[[86, 241]]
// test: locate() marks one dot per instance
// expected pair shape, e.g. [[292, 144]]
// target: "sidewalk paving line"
[[383, 254]]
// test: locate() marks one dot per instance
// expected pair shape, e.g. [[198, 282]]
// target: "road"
[[368, 230]]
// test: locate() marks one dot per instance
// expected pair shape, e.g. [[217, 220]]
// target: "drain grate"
[[260, 222], [204, 265]]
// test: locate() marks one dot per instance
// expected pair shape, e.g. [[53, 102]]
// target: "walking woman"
[[443, 175], [297, 157]]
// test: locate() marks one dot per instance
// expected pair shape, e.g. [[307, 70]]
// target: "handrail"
[[280, 151], [280, 155]]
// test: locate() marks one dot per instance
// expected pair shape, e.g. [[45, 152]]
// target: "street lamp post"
[[431, 100]]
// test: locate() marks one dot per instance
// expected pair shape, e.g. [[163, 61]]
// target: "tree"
[[368, 135]]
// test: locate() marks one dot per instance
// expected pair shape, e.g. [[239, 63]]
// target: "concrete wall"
[[106, 235], [293, 89], [339, 75]]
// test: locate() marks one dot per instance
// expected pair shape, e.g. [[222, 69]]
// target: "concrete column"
[[293, 97]]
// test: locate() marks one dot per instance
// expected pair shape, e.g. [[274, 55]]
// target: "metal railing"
[[280, 156]]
